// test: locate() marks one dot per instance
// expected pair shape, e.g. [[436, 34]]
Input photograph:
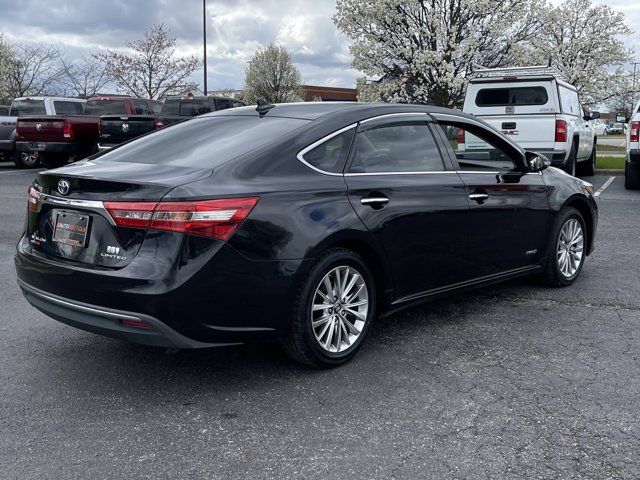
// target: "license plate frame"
[[37, 146], [71, 228]]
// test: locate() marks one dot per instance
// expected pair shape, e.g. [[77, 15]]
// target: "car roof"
[[320, 110]]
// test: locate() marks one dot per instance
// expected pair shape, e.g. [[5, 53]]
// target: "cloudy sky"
[[235, 29]]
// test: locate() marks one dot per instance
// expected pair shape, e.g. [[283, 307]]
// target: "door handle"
[[376, 201], [479, 197]]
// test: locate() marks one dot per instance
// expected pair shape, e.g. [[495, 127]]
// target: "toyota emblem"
[[125, 127], [38, 126], [63, 186]]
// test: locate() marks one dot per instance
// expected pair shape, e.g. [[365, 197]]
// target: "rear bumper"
[[109, 322], [7, 145], [557, 157], [49, 147], [634, 157]]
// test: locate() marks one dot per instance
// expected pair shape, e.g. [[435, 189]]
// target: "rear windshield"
[[204, 142], [186, 108], [27, 107], [95, 108], [502, 97]]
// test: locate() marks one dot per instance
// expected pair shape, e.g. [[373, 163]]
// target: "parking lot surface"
[[511, 381]]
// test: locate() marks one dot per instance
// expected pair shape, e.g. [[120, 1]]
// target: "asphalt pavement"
[[511, 381]]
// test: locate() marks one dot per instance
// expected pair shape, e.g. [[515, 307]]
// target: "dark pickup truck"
[[117, 129], [60, 138]]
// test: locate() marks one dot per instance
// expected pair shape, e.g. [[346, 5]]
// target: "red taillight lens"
[[134, 323], [208, 218], [460, 137], [67, 130], [159, 124], [34, 195], [131, 214], [634, 134], [561, 131]]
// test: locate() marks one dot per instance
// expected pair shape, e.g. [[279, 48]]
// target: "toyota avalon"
[[299, 223]]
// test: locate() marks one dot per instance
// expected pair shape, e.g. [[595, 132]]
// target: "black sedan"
[[299, 223]]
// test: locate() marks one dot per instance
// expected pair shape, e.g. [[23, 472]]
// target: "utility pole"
[[633, 87], [204, 39]]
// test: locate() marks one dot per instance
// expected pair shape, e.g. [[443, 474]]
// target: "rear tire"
[[568, 241], [330, 336], [588, 168], [54, 160], [631, 176], [26, 159]]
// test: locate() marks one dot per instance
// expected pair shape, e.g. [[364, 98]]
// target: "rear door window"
[[569, 101], [502, 97], [331, 155], [141, 107], [67, 108], [395, 147]]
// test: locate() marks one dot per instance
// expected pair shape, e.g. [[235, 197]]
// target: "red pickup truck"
[[61, 138]]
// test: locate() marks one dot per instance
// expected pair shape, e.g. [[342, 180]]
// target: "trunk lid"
[[76, 227], [115, 130]]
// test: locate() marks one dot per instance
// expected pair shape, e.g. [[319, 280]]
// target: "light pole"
[[204, 40]]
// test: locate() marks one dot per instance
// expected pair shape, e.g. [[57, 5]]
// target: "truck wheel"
[[54, 160], [588, 167], [631, 176], [570, 164], [26, 159]]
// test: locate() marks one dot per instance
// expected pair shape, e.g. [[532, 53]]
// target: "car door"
[[411, 200], [509, 216]]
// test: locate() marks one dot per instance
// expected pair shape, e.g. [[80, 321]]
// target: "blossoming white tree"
[[425, 49]]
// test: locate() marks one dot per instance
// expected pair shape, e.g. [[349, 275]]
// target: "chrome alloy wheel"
[[29, 159], [339, 309], [570, 248]]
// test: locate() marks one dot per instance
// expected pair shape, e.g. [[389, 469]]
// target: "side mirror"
[[621, 117], [537, 162]]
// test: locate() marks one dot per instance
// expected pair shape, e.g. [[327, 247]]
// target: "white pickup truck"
[[632, 163], [539, 110], [32, 106]]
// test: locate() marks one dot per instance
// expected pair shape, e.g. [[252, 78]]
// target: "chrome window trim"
[[399, 114], [398, 173], [301, 153], [93, 205]]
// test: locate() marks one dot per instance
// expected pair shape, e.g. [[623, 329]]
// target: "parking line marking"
[[602, 188]]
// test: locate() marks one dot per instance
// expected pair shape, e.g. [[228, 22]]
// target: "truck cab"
[[539, 110]]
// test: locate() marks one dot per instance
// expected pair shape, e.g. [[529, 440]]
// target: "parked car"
[[632, 162], [294, 222], [538, 110], [4, 110], [599, 127], [617, 129], [117, 129], [31, 106], [73, 136]]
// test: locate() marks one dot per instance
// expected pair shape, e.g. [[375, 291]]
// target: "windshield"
[[186, 107], [95, 108], [204, 142], [20, 108]]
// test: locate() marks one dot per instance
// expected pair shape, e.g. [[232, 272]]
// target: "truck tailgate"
[[41, 129], [117, 129], [531, 132]]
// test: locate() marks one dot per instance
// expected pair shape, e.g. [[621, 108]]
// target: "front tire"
[[566, 250], [333, 312]]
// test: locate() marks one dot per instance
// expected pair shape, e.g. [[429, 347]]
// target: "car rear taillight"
[[34, 195], [561, 131], [634, 135], [134, 323], [67, 130], [460, 136], [159, 124], [207, 218]]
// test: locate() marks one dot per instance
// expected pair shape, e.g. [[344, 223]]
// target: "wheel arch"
[[582, 206]]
